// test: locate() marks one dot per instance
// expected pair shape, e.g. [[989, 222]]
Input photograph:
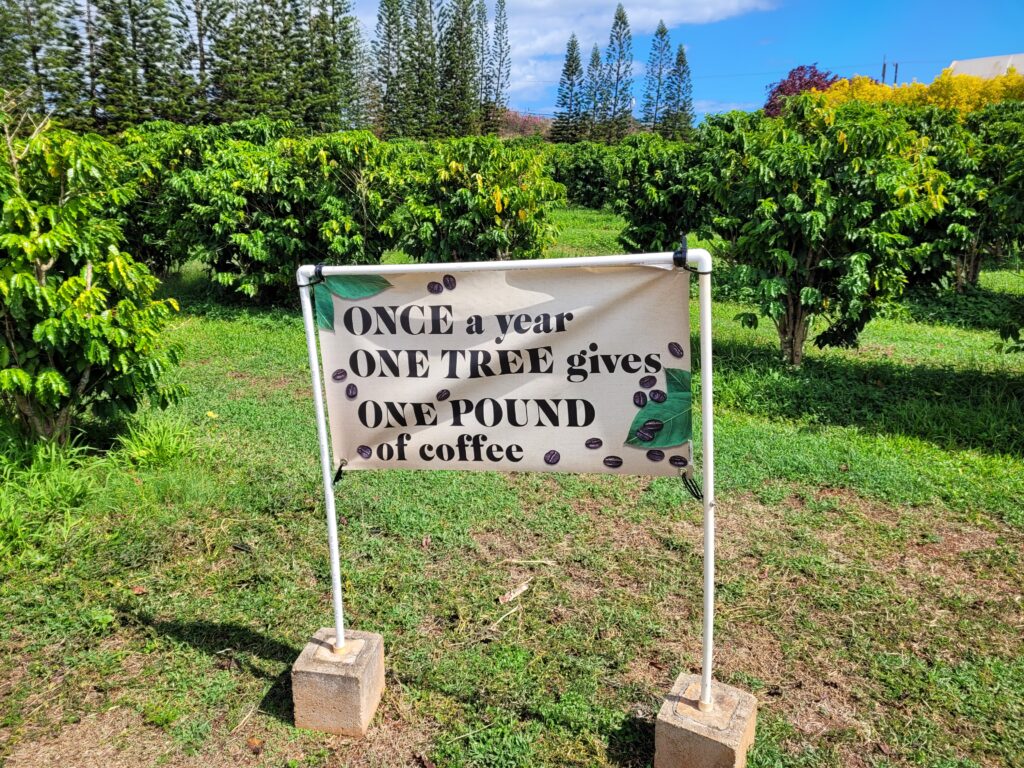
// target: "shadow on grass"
[[233, 643], [199, 296], [953, 408], [631, 745], [978, 308]]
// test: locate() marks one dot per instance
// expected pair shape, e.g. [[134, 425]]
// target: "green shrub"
[[158, 152], [1000, 131], [253, 211], [663, 192], [589, 171], [81, 327], [469, 199], [819, 205], [817, 209], [982, 215]]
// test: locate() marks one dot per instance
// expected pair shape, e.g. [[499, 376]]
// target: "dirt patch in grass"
[[817, 693], [764, 642], [397, 737], [119, 738], [114, 738], [266, 385]]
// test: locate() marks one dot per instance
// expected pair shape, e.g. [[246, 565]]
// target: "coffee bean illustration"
[[658, 396], [655, 455], [594, 442], [364, 451], [654, 425], [340, 375], [675, 349], [612, 461], [449, 282], [644, 435], [442, 395], [551, 457], [351, 391], [677, 461], [648, 381], [639, 399], [434, 287]]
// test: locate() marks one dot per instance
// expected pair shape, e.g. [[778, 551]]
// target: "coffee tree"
[[662, 192], [476, 198], [80, 326], [953, 243], [1000, 132], [588, 170], [1000, 129], [818, 205]]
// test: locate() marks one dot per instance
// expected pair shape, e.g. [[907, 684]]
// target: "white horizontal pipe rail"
[[697, 258]]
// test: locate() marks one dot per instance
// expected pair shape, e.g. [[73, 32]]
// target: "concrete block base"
[[687, 737], [338, 692]]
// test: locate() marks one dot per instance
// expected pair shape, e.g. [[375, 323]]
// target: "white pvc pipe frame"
[[697, 259]]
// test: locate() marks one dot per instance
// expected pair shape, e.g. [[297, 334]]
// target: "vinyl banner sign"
[[574, 369]]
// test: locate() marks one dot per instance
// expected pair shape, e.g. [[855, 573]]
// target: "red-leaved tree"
[[799, 79]]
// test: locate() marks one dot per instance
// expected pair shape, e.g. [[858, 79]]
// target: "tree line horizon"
[[433, 68]]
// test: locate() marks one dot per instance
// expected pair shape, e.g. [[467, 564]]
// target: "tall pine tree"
[[500, 69], [459, 69], [421, 117], [569, 109], [658, 65], [88, 111], [595, 96], [67, 73], [482, 51], [119, 83], [206, 19], [254, 60], [30, 50], [619, 66], [678, 116], [389, 46], [328, 76], [14, 43], [168, 89]]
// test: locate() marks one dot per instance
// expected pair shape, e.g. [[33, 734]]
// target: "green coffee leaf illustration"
[[674, 414], [324, 307], [356, 286], [344, 287]]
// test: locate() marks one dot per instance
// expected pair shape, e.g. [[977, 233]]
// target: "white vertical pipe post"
[[305, 296], [707, 430]]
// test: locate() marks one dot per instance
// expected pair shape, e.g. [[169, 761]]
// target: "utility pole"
[[883, 69], [895, 72]]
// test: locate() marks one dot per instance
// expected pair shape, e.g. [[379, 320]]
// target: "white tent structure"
[[989, 66]]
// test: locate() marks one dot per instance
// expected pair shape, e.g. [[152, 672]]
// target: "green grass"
[[586, 232], [163, 577]]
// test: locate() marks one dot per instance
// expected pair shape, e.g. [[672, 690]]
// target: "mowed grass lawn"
[[870, 582]]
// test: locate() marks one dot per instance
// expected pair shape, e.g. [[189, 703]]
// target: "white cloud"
[[534, 74], [540, 29]]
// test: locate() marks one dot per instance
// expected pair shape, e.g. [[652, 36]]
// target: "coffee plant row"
[[87, 222], [826, 212], [252, 200]]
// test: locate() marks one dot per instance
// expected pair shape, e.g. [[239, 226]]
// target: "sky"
[[736, 48]]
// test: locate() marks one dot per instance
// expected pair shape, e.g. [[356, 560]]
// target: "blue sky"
[[737, 47]]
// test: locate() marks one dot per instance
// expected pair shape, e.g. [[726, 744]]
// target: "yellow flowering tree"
[[965, 93]]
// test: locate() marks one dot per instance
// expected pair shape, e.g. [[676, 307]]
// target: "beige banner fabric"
[[575, 369]]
